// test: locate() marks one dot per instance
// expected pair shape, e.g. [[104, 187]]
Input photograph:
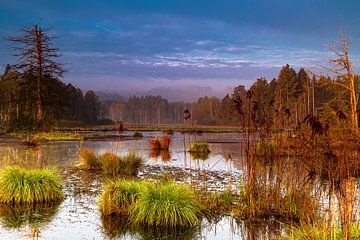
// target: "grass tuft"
[[90, 159], [18, 185], [199, 150], [111, 163], [200, 147], [168, 205], [138, 134], [118, 196], [160, 143], [114, 165]]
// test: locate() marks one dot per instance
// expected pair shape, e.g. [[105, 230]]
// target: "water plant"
[[127, 164], [321, 232], [160, 143], [199, 150], [110, 163], [200, 147], [278, 192], [132, 162], [118, 196], [90, 159], [138, 134], [19, 185], [266, 149], [215, 205], [167, 205]]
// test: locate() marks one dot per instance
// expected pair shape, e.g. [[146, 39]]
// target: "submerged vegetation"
[[18, 185]]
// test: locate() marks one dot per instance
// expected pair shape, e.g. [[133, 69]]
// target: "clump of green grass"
[[132, 162], [90, 159], [111, 163], [67, 136], [160, 143], [138, 134], [58, 136], [200, 147], [18, 185], [168, 205], [199, 150], [115, 165], [118, 196]]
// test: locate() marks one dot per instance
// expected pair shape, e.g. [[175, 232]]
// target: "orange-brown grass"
[[90, 159], [160, 143]]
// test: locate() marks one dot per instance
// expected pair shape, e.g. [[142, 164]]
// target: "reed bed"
[[322, 232]]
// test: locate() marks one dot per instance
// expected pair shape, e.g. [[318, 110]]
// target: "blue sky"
[[144, 44]]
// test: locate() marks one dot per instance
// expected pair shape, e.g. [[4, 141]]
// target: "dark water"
[[78, 216]]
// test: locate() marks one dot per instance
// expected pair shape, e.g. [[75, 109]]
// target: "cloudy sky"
[[143, 44]]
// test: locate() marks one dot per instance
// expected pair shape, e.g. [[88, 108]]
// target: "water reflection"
[[79, 217], [118, 227], [164, 155], [21, 215], [199, 155]]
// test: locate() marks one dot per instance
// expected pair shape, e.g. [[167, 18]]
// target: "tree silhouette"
[[35, 54]]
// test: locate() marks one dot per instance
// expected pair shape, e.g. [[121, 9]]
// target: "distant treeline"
[[283, 102], [62, 103]]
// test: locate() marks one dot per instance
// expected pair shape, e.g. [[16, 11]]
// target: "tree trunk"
[[39, 110]]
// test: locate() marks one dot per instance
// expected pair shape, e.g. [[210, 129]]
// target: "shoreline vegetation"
[[101, 132]]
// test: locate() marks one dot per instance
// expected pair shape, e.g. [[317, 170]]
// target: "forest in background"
[[63, 104], [34, 97], [283, 102]]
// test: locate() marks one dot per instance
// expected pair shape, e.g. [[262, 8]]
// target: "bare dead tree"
[[343, 69], [35, 54]]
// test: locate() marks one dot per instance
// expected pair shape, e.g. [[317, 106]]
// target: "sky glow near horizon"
[[137, 45]]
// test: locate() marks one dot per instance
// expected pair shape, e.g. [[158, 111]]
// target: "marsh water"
[[78, 216]]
